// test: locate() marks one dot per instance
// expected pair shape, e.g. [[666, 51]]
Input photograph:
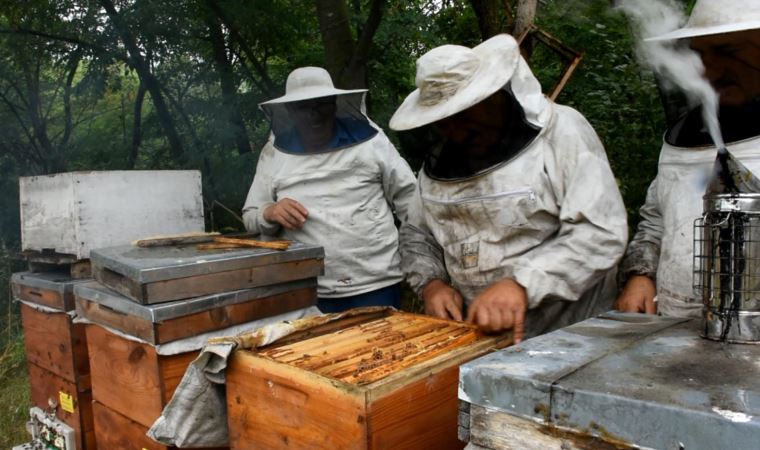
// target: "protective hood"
[[453, 78], [309, 83]]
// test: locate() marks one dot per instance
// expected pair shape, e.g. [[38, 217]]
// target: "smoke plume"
[[678, 65]]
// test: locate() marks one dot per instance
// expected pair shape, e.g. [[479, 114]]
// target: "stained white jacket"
[[663, 246], [552, 219], [350, 195]]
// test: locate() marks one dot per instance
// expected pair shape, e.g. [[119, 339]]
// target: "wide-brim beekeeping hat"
[[452, 78], [716, 17], [307, 83]]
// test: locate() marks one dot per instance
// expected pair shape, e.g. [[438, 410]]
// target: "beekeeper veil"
[[453, 78], [314, 84]]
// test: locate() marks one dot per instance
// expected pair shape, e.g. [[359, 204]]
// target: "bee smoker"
[[727, 253]]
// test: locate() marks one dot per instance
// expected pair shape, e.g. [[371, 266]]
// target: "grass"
[[14, 393]]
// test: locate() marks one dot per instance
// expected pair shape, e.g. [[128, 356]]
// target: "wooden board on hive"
[[115, 431], [171, 321], [55, 343], [389, 380], [131, 377], [74, 405]]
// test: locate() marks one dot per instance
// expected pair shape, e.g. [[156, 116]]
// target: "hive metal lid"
[[151, 264], [656, 384], [50, 281], [96, 292]]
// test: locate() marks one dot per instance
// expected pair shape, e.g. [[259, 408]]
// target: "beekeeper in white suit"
[[659, 261], [329, 176], [518, 221]]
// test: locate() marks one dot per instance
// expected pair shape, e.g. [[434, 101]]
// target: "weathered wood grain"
[[130, 377], [56, 344], [275, 406], [46, 386], [496, 430]]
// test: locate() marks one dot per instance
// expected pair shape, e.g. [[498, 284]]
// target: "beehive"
[[56, 350], [380, 380]]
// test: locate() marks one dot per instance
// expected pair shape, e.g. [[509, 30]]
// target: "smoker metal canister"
[[727, 267]]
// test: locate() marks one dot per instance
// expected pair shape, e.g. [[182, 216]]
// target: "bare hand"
[[501, 307], [288, 213], [442, 300], [638, 296]]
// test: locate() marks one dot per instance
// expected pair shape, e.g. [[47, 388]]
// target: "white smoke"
[[675, 62]]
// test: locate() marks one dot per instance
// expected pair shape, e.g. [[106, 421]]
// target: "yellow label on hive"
[[67, 402]]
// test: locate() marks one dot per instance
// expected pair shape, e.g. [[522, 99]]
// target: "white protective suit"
[[350, 194], [663, 247], [551, 218]]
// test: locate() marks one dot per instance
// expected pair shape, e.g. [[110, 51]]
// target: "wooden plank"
[[497, 430], [125, 375], [119, 283], [56, 344], [420, 415], [117, 432], [130, 377], [231, 280], [274, 406], [114, 431], [46, 386], [172, 369]]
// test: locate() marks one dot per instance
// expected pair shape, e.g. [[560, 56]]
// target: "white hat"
[[306, 83], [452, 78], [717, 16]]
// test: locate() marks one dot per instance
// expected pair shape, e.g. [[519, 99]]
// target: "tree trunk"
[[346, 59], [233, 116], [152, 85], [489, 17], [526, 14], [136, 126]]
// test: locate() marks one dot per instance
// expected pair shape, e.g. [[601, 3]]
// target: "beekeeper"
[[659, 261], [518, 221], [329, 176]]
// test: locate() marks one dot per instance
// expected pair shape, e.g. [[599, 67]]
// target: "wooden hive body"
[[382, 380], [116, 431], [56, 351], [130, 377]]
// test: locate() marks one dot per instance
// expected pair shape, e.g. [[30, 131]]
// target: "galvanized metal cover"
[[49, 281], [151, 264], [96, 292], [646, 380]]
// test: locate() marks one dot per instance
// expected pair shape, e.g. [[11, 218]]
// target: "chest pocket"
[[478, 232]]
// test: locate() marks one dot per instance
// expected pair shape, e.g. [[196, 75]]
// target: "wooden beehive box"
[[115, 431], [161, 274], [132, 378], [166, 322], [379, 380], [56, 350], [73, 213]]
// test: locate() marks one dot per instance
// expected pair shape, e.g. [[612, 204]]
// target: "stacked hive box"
[[149, 307], [376, 380], [56, 350], [64, 217]]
